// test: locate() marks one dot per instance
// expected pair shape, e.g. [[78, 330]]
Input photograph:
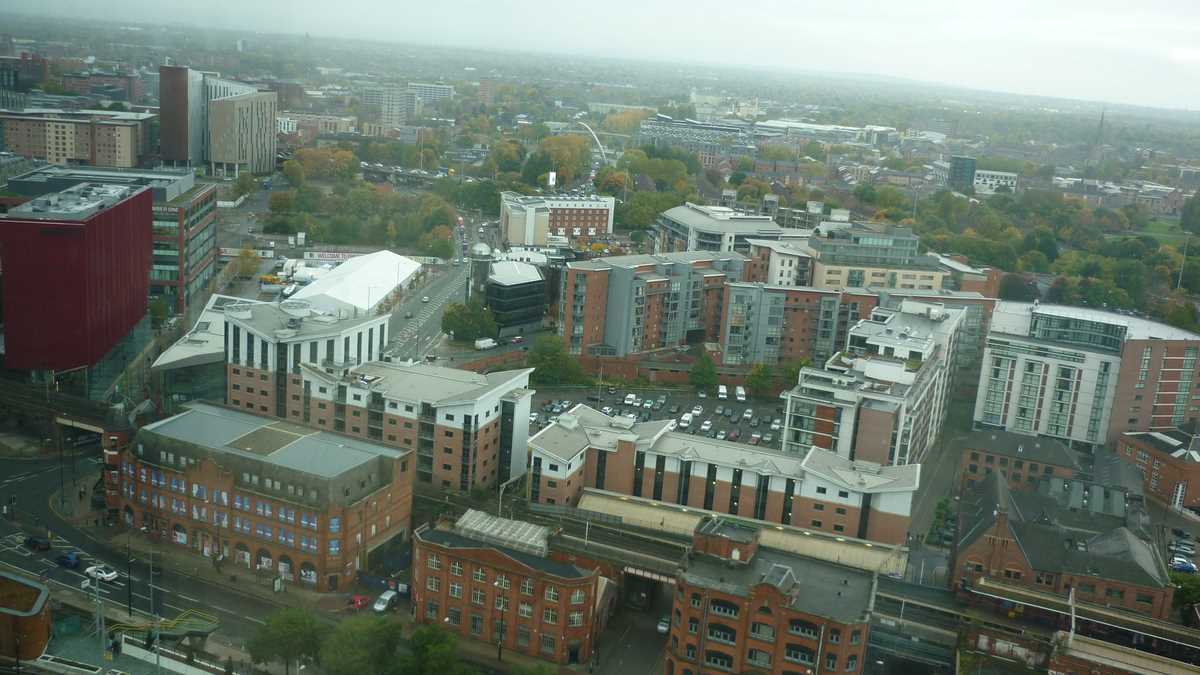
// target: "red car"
[[358, 602]]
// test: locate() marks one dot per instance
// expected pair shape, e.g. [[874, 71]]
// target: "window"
[[434, 584], [855, 637], [501, 603], [821, 490], [695, 599], [577, 597], [551, 594], [693, 626], [575, 619], [431, 610], [1114, 593], [479, 574], [526, 587], [502, 582], [831, 662], [548, 644], [477, 597], [434, 562], [1145, 598], [455, 590], [550, 615], [476, 624], [455, 568], [454, 616], [525, 610], [852, 663]]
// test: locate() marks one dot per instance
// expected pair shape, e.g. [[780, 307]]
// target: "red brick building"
[[492, 579], [1031, 540], [743, 608], [819, 490], [25, 620], [1022, 460], [309, 506], [1169, 463]]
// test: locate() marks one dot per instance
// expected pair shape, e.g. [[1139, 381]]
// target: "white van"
[[685, 421], [722, 392], [630, 398], [741, 394]]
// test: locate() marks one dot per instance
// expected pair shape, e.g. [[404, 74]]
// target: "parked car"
[[748, 414], [701, 394], [101, 573], [697, 409], [776, 424], [629, 398], [664, 625], [647, 404], [755, 439], [674, 410], [1182, 534], [386, 602], [768, 438], [424, 298], [68, 560], [704, 428], [37, 543], [720, 435], [658, 405], [732, 435], [612, 390], [720, 410], [1186, 567], [754, 422], [729, 413]]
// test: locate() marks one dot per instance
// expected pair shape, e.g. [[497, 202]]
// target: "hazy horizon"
[[1098, 51]]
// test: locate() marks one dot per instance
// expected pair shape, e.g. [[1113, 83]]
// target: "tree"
[[1189, 217], [551, 363], [469, 322], [1014, 287], [288, 635], [159, 310], [791, 372], [293, 171], [759, 381], [247, 263], [703, 374], [244, 185], [280, 202], [363, 644], [1187, 591]]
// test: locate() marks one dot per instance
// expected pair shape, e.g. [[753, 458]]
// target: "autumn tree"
[[293, 171], [759, 381]]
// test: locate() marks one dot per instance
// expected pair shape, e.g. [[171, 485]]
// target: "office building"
[[495, 580], [516, 295], [778, 325], [315, 124], [430, 93], [530, 220], [94, 137], [1082, 375], [817, 490], [1021, 460], [185, 252], [24, 72], [304, 505], [624, 305], [206, 118], [991, 182], [960, 175], [1168, 462], [116, 86], [693, 227], [468, 429], [76, 275], [883, 399], [741, 607], [391, 105], [1099, 552]]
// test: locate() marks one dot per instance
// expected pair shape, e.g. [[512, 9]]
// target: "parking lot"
[[764, 420]]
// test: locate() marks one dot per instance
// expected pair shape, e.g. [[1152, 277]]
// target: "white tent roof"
[[360, 283]]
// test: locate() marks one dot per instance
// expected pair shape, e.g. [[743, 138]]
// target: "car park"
[[1182, 534], [68, 560]]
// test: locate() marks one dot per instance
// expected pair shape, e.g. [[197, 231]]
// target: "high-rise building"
[[431, 93], [487, 92], [960, 175], [498, 581], [624, 305], [516, 296], [394, 106], [817, 490], [304, 505], [1083, 375], [742, 607], [883, 399], [530, 220], [185, 250], [76, 266], [206, 118], [94, 137]]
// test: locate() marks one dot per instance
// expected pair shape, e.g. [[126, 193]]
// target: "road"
[[414, 337], [33, 481]]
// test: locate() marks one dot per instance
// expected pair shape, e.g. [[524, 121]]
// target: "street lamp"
[[499, 622]]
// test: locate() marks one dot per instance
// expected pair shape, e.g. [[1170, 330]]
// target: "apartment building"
[[468, 429], [817, 490], [1021, 460], [740, 607], [882, 399], [305, 505], [1084, 375], [872, 255], [206, 118], [1168, 462], [977, 310], [94, 137], [430, 92], [784, 324], [127, 87], [528, 220], [694, 227], [624, 305], [322, 370], [1104, 558], [241, 131], [780, 263], [395, 106], [494, 580], [991, 182], [315, 124], [185, 251]]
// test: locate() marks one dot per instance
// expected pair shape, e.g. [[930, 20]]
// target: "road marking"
[[187, 598], [237, 614]]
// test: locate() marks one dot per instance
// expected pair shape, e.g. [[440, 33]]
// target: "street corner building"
[[277, 498], [740, 607], [495, 580], [25, 620]]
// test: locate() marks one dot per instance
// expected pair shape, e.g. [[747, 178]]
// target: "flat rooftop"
[[417, 381], [293, 319], [78, 202], [1137, 328], [224, 431]]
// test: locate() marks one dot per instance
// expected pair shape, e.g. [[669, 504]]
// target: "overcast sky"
[[1145, 52]]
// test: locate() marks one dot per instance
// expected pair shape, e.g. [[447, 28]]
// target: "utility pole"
[[129, 575]]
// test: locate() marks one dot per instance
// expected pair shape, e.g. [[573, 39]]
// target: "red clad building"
[[76, 274]]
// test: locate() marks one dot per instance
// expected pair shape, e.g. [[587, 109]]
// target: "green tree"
[[247, 263], [159, 310], [363, 644], [293, 171], [434, 651], [1033, 261], [1014, 287], [703, 375], [280, 202], [552, 364], [1187, 587], [244, 185], [288, 635], [1189, 217], [469, 322], [760, 380]]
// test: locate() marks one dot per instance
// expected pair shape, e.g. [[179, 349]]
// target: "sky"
[[1144, 53]]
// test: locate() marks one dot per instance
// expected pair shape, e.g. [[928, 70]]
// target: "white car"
[[664, 625], [647, 404], [706, 426], [425, 298], [748, 414], [629, 398], [696, 410], [101, 573], [776, 424]]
